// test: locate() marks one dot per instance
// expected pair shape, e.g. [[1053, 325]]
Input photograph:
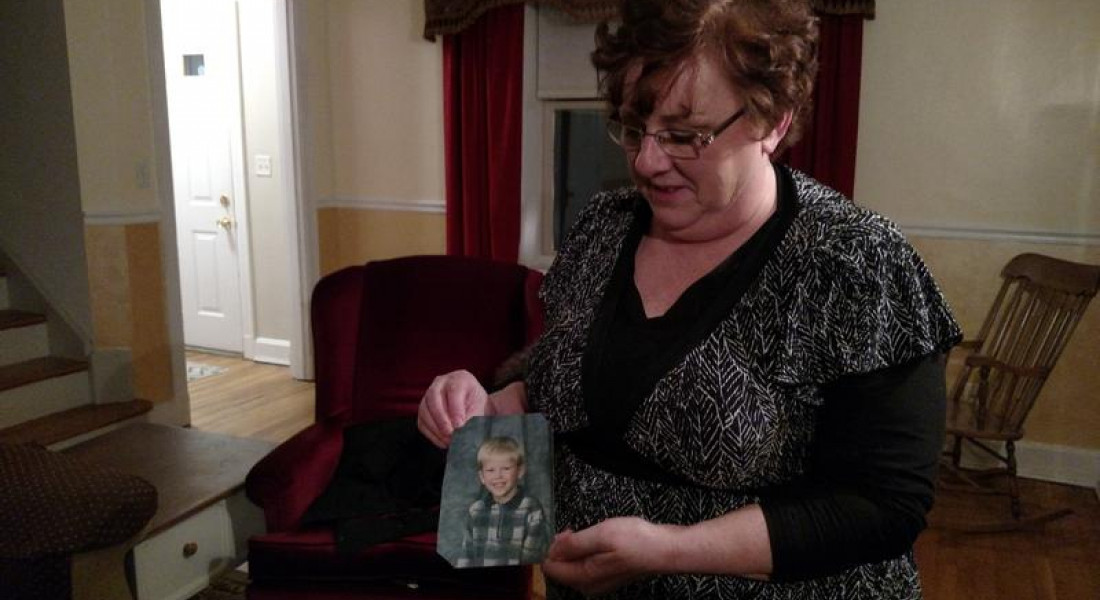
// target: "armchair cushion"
[[387, 485]]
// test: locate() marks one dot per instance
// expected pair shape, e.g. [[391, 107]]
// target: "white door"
[[203, 86]]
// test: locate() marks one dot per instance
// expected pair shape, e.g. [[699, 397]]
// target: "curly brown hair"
[[767, 47]]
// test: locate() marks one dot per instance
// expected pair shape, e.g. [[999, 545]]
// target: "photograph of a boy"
[[504, 526]]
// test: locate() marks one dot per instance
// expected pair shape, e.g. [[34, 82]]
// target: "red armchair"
[[381, 332]]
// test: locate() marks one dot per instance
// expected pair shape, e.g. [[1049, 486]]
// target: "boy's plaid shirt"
[[512, 533]]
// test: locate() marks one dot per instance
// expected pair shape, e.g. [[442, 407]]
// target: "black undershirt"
[[878, 436]]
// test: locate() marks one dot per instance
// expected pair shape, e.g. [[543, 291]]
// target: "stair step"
[[44, 397], [68, 424], [38, 369], [10, 318]]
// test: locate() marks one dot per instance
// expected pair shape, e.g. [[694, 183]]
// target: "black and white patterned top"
[[843, 293]]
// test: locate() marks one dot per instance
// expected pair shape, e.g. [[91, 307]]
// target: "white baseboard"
[[270, 350], [1047, 462]]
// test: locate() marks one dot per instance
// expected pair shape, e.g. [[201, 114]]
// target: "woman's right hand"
[[448, 403]]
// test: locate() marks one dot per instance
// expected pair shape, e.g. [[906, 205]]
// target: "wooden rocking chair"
[[1040, 302]]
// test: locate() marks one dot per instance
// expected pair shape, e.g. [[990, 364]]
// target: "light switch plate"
[[263, 165]]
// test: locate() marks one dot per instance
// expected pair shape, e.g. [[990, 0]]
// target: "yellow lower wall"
[[128, 301], [109, 283], [1068, 410], [353, 236]]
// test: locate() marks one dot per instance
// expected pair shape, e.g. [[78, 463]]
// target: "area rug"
[[227, 586], [196, 370]]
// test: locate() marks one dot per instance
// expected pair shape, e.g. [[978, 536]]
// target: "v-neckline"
[[687, 298], [606, 410]]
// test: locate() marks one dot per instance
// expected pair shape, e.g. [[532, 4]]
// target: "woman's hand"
[[609, 555], [448, 403], [617, 551], [453, 398]]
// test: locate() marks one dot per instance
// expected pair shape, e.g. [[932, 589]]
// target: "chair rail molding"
[[106, 218], [391, 204], [1001, 235]]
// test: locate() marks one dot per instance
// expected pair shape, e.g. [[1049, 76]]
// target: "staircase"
[[47, 399]]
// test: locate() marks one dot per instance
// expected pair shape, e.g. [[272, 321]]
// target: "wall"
[[968, 137], [109, 60], [41, 220], [80, 186], [269, 237], [129, 303], [352, 236], [980, 134], [112, 108], [386, 132]]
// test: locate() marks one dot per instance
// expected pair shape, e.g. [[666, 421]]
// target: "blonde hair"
[[500, 445]]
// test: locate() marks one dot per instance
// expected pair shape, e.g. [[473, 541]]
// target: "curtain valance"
[[444, 17], [865, 8]]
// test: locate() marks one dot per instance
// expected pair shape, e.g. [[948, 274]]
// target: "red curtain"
[[483, 125], [827, 150]]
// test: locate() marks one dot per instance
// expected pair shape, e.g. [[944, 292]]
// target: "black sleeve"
[[871, 479]]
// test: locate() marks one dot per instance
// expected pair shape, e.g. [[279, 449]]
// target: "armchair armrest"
[[285, 482]]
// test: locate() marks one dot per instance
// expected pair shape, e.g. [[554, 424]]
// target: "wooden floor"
[[1059, 561], [249, 399]]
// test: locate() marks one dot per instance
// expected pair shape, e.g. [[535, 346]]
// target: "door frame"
[[240, 208], [294, 128], [304, 269]]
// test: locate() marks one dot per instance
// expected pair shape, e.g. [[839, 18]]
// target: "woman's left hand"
[[608, 555]]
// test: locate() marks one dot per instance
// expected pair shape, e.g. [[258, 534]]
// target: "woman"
[[743, 370]]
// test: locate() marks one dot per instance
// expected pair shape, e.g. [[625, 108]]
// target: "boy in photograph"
[[504, 526]]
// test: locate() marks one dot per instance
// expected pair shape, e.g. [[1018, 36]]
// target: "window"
[[582, 161], [194, 65], [567, 156]]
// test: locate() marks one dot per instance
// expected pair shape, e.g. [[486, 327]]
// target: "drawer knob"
[[189, 549]]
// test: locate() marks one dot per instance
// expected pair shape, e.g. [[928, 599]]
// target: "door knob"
[[224, 223]]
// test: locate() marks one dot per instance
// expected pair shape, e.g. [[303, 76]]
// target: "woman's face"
[[732, 180]]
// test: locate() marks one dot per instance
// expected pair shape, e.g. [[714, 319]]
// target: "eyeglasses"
[[677, 143]]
